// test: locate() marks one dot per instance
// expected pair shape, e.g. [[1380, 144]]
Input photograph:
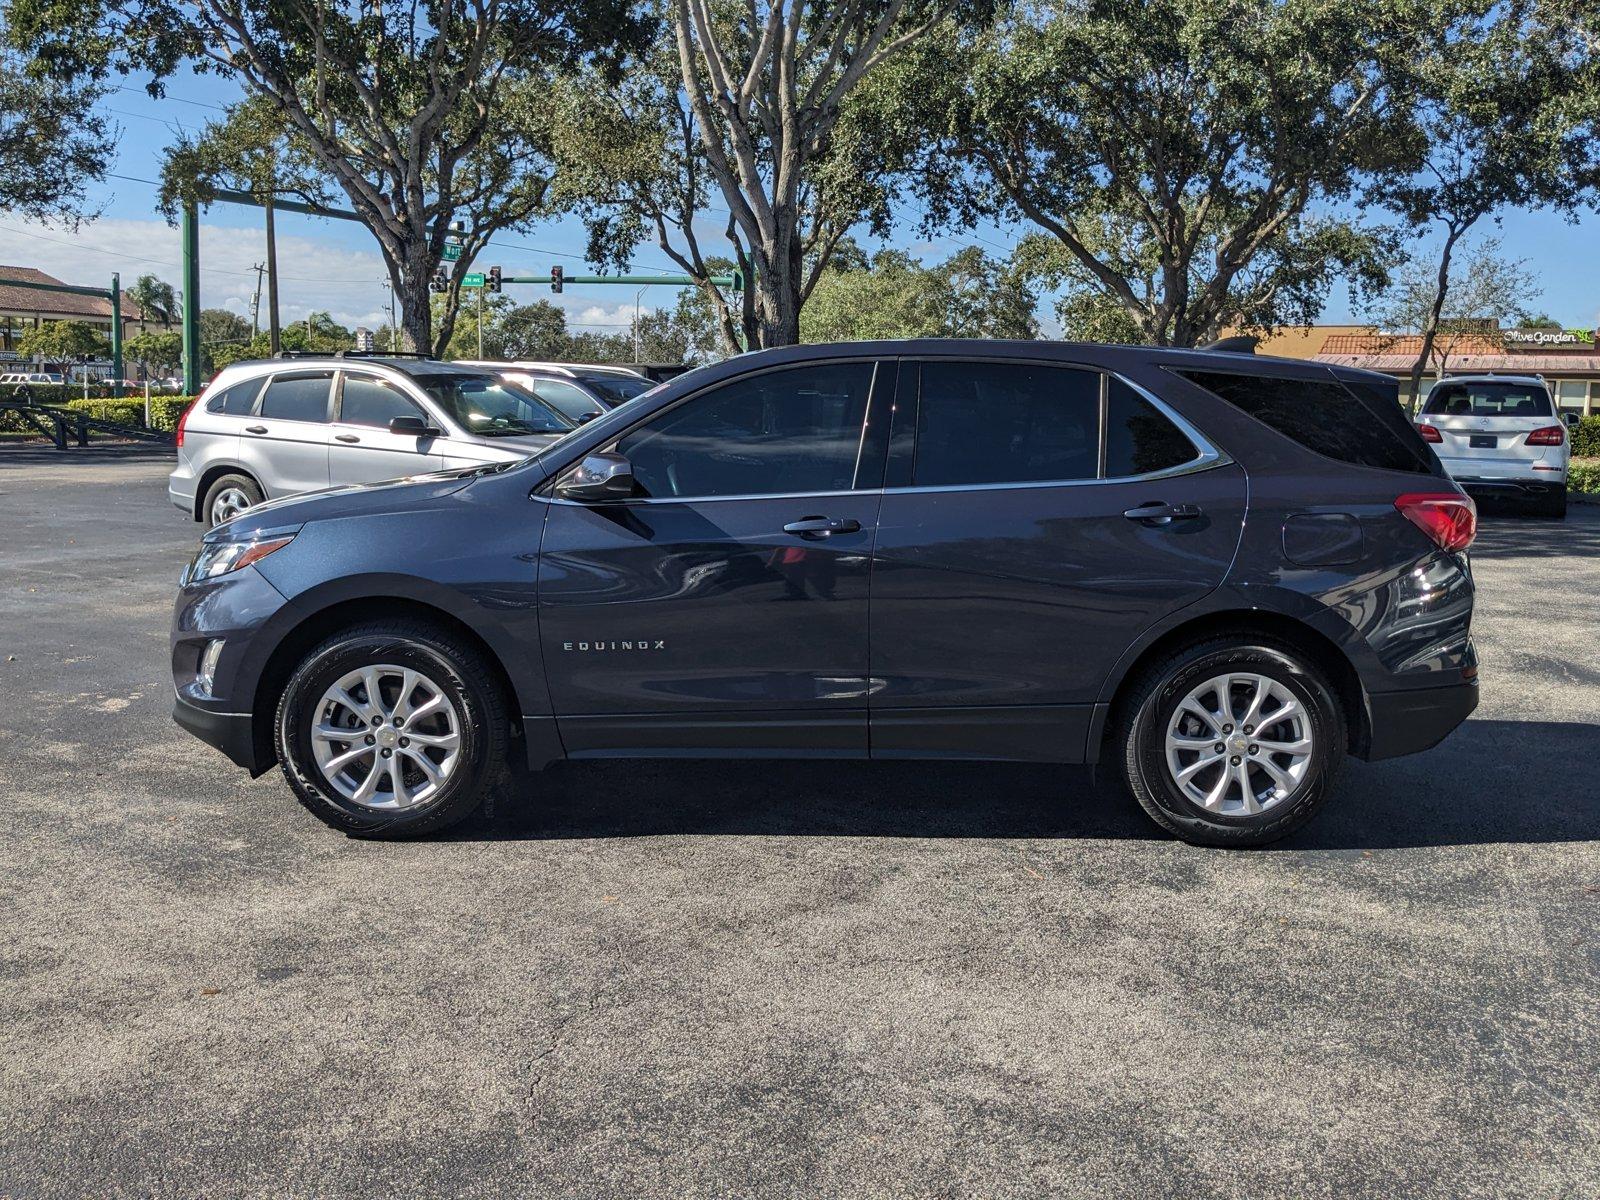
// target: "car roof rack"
[[352, 354]]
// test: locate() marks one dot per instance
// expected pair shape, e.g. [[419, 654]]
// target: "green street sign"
[[472, 279], [451, 252]]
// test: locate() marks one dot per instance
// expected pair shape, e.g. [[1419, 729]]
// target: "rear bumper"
[[232, 733], [1415, 720]]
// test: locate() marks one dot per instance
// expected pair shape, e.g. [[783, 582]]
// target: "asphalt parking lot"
[[764, 979]]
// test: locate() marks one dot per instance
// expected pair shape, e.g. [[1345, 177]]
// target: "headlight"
[[219, 558]]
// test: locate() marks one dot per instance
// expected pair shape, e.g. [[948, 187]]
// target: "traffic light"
[[555, 279], [438, 281], [492, 281]]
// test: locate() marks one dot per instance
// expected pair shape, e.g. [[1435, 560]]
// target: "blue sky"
[[335, 266]]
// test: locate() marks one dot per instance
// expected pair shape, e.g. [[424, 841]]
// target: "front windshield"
[[1486, 398], [490, 407], [614, 389]]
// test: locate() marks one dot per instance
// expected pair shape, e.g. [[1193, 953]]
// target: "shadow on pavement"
[[34, 454], [1507, 531], [1489, 782]]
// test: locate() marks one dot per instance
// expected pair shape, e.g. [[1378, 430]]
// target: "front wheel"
[[1231, 742], [392, 729], [228, 497]]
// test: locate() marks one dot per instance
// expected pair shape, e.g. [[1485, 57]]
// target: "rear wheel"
[[1554, 504], [1231, 742], [392, 729], [228, 497]]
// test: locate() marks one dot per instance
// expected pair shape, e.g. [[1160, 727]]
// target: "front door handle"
[[255, 428], [345, 437], [1157, 513], [822, 526]]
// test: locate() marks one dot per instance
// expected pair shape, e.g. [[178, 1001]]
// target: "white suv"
[[1500, 435], [295, 424]]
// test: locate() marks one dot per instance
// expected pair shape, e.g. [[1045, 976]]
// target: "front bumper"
[[1418, 719], [232, 733]]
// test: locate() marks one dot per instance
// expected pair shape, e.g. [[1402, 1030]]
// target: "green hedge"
[[123, 412], [1584, 476], [1586, 438]]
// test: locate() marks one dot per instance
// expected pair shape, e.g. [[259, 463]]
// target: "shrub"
[[1586, 438], [1584, 476], [123, 412], [165, 411]]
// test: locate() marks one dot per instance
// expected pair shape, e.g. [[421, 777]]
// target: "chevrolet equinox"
[[1219, 574]]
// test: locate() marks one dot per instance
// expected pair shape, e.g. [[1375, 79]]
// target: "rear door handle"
[[822, 526], [1157, 513], [345, 437], [255, 428]]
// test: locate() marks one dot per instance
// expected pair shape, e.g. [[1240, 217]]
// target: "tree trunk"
[[1430, 323], [416, 312]]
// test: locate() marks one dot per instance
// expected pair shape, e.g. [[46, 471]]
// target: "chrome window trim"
[[553, 499]]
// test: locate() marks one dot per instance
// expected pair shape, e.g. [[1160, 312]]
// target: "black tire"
[[1140, 727], [242, 484], [460, 673], [1554, 504]]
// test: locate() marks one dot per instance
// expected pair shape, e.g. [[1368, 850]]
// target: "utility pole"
[[255, 304], [480, 323], [273, 338], [636, 350]]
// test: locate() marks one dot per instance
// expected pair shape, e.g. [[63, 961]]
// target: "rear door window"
[[1350, 425], [298, 397], [1486, 398], [986, 422], [1140, 438]]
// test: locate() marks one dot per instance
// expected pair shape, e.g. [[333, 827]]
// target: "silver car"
[[273, 428]]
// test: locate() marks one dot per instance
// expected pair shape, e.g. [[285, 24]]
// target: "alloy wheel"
[[386, 737], [229, 503], [1239, 744]]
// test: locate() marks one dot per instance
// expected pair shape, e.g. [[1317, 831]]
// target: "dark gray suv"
[[1219, 573]]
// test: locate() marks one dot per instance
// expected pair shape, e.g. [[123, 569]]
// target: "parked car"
[[1499, 435], [264, 430], [13, 378], [580, 390], [1214, 573]]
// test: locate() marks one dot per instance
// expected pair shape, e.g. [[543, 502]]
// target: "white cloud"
[[313, 275]]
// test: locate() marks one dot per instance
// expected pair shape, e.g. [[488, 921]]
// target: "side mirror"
[[599, 477], [412, 427], [1571, 418]]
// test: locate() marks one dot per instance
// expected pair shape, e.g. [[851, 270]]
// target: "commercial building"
[[1569, 359], [22, 309]]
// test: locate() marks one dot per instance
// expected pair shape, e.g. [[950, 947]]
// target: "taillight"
[[1449, 518], [1550, 435], [183, 419], [1430, 434]]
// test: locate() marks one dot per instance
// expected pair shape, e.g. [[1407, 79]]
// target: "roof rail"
[[352, 354], [1241, 344]]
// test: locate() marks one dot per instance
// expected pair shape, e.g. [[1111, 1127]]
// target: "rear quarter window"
[[1356, 424], [236, 400]]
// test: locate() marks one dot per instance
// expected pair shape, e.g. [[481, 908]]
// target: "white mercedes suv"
[[295, 424], [1499, 435]]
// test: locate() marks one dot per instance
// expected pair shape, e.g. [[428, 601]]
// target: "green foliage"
[[123, 412], [156, 299], [52, 141], [968, 295], [1186, 155], [157, 351], [1484, 288], [219, 325], [1584, 476], [165, 411], [1586, 437], [538, 332], [63, 341]]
